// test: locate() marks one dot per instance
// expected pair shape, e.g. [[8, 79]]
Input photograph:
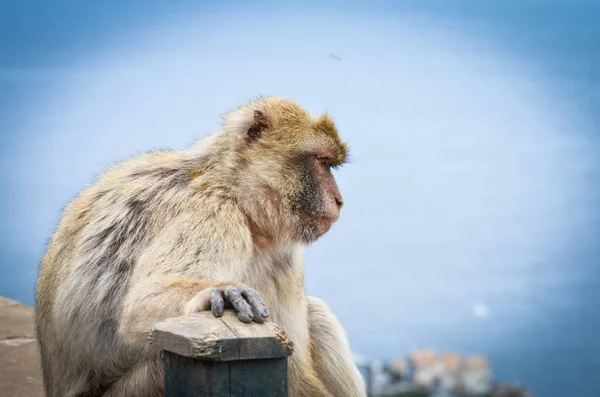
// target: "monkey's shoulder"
[[150, 185]]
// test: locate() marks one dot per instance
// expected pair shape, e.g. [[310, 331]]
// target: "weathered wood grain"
[[222, 357], [206, 337], [259, 341], [199, 335]]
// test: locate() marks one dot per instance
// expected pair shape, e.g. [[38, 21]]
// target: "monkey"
[[221, 224]]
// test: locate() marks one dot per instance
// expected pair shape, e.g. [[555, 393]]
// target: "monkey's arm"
[[154, 299], [162, 296], [186, 269]]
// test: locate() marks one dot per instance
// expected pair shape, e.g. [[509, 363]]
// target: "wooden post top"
[[206, 337]]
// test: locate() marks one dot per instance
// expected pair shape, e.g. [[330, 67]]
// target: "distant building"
[[441, 375], [401, 367], [428, 369], [476, 376], [446, 372], [452, 364], [380, 379]]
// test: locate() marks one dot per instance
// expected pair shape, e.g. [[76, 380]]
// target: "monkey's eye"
[[324, 160]]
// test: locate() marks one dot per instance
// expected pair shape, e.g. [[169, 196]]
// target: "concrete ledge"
[[20, 373]]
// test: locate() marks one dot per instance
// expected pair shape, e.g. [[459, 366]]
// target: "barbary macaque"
[[221, 225]]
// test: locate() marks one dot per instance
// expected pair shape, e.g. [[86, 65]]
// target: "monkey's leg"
[[331, 352], [145, 379], [304, 381]]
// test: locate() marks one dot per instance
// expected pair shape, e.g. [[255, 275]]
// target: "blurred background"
[[472, 214]]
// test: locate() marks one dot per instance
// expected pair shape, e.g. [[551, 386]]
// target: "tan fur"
[[156, 232]]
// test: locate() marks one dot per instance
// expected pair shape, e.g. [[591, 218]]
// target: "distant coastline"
[[429, 373]]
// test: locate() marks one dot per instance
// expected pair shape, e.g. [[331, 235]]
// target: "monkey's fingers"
[[243, 309], [258, 306], [217, 304]]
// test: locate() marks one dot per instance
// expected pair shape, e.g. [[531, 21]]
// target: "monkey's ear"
[[261, 122]]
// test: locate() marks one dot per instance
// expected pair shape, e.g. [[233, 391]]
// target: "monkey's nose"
[[339, 201]]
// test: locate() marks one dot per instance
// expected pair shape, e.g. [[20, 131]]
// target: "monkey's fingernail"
[[233, 289], [265, 313], [251, 315]]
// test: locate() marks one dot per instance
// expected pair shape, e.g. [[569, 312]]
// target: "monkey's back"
[[88, 265]]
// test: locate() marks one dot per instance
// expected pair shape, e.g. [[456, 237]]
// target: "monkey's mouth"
[[324, 223]]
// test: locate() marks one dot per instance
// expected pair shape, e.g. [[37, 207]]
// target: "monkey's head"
[[284, 163]]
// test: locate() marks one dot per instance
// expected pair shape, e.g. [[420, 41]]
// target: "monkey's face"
[[289, 157], [316, 201], [297, 155]]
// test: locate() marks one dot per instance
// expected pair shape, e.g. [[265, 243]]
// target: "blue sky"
[[474, 174]]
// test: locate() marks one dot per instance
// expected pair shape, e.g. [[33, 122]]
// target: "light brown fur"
[[157, 232]]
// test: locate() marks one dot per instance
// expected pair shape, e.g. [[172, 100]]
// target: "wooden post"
[[222, 357]]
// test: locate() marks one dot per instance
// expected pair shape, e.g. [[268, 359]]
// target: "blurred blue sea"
[[474, 179]]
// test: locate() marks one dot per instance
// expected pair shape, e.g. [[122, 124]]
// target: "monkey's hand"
[[244, 300]]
